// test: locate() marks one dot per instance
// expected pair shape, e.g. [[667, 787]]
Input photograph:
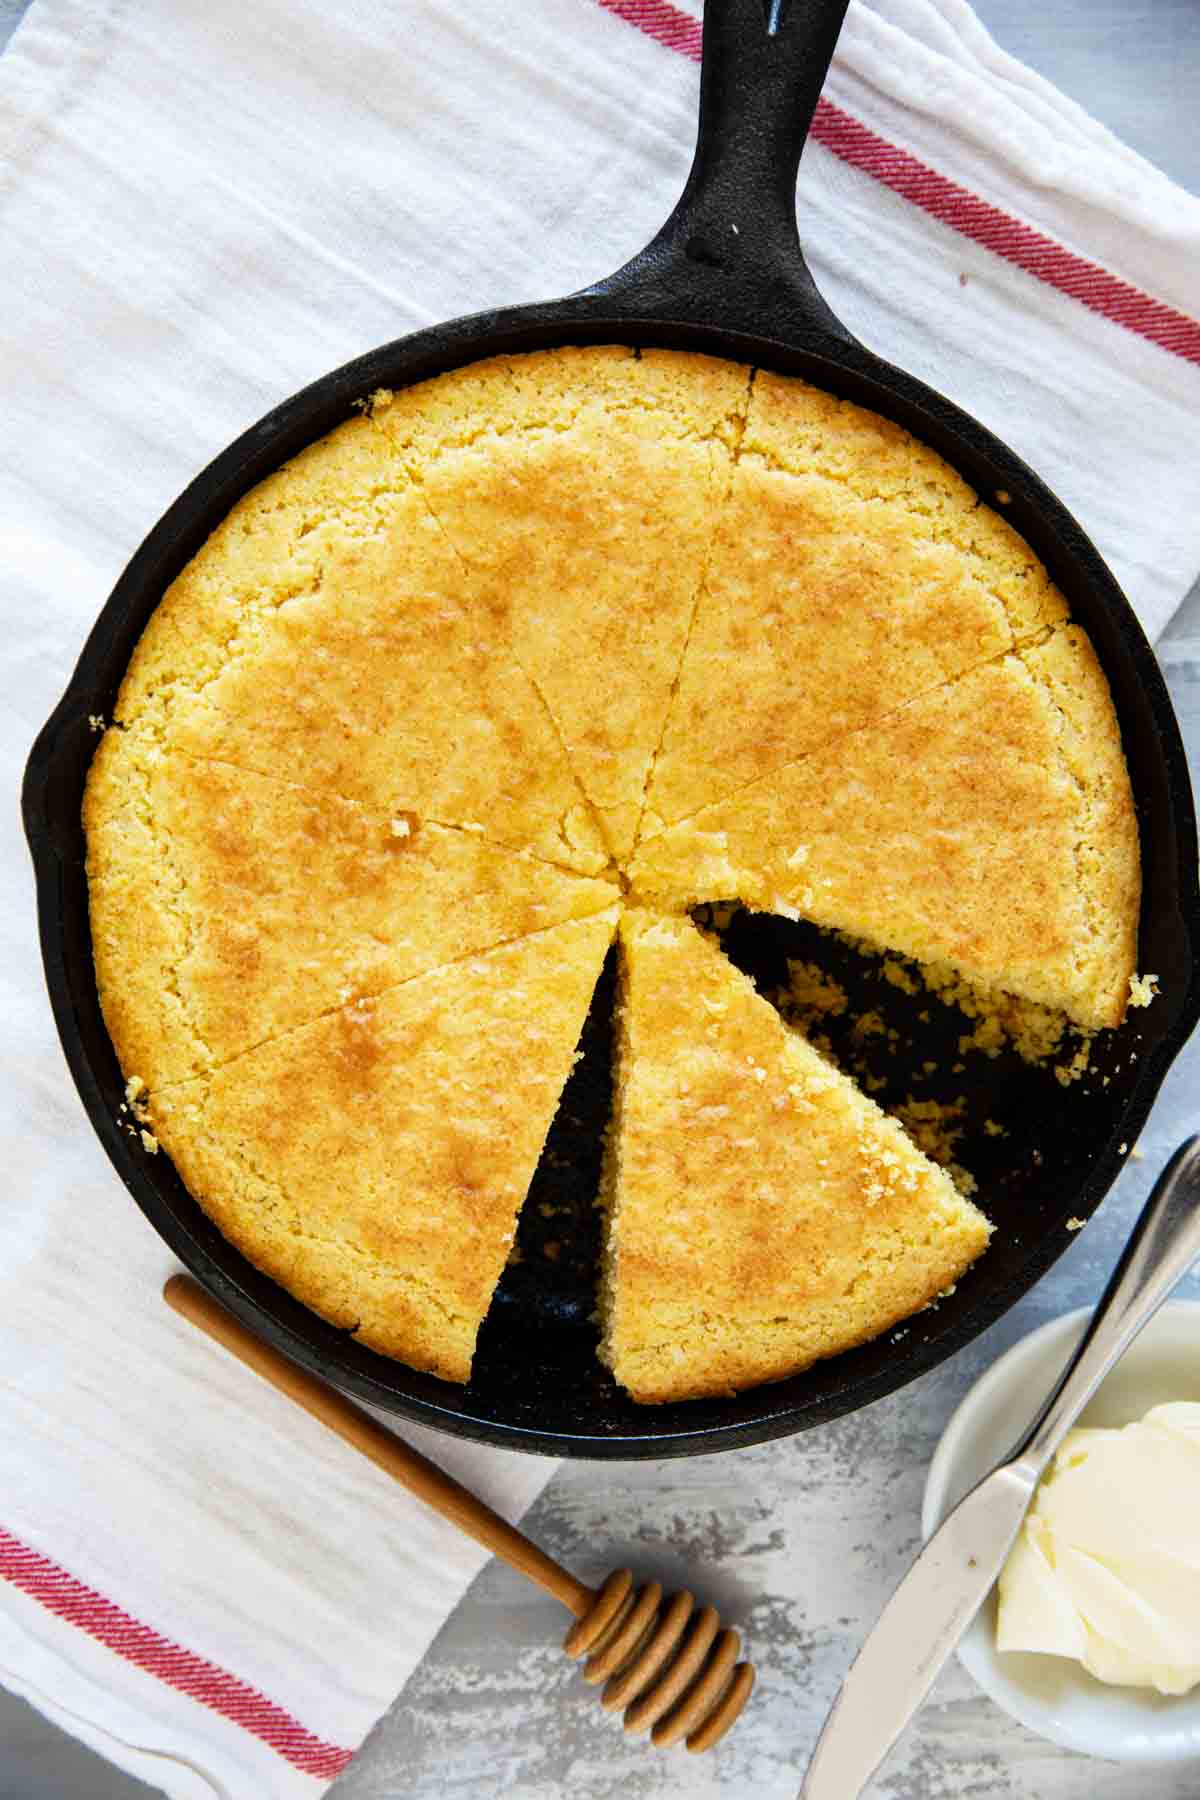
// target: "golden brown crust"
[[373, 1162], [761, 1211], [620, 524], [797, 427], [551, 390], [1108, 859], [335, 642]]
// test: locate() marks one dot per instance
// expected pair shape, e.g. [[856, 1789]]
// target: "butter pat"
[[1107, 1566]]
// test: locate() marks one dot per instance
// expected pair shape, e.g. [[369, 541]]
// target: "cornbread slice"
[[794, 426], [584, 511], [852, 570], [988, 825], [227, 907], [324, 634], [761, 1211], [373, 1162]]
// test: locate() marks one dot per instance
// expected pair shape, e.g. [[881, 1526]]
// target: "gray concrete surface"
[[800, 1541]]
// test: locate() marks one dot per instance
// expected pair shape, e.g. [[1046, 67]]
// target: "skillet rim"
[[54, 830]]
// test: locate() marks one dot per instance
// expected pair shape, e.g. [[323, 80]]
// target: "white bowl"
[[1052, 1695]]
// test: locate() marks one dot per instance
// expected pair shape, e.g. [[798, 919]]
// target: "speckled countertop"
[[800, 1542]]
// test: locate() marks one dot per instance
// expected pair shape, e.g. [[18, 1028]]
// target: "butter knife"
[[953, 1575]]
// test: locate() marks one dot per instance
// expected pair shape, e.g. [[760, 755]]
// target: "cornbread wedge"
[[988, 825], [227, 907], [373, 1161], [325, 635], [821, 613], [761, 1211], [852, 570], [585, 533]]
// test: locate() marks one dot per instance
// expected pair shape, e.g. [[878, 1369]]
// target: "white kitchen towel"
[[203, 205]]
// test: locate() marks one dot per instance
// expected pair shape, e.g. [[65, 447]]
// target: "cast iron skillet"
[[725, 275]]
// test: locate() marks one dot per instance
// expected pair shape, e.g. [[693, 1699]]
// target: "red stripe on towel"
[[201, 1680]]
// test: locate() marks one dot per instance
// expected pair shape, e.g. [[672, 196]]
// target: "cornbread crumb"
[[1142, 989], [1003, 1019], [1077, 1066], [812, 992], [1034, 1031], [900, 976], [936, 1126], [137, 1098], [871, 1024], [1076, 1224]]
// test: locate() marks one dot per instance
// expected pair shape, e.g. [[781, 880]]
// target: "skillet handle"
[[730, 252]]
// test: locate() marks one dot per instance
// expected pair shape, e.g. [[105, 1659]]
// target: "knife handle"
[[1163, 1245]]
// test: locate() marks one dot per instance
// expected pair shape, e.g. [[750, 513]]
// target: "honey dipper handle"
[[388, 1452]]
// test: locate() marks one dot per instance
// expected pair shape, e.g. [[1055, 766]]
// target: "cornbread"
[[852, 571], [761, 1211], [516, 650], [374, 1160]]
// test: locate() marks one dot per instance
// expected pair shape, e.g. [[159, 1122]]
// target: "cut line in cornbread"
[[327, 636]]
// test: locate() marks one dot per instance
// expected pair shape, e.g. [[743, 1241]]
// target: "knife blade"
[[917, 1631]]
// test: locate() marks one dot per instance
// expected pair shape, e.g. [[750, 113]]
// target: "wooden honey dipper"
[[670, 1666]]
